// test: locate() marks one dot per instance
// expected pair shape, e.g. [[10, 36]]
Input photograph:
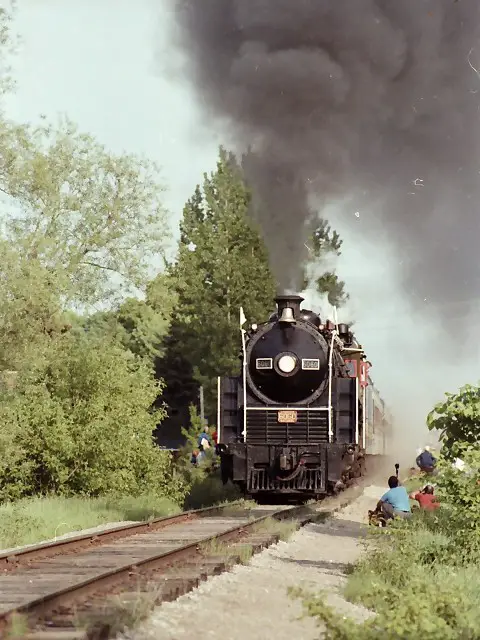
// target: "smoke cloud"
[[374, 100]]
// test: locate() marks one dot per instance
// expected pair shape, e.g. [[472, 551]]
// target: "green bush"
[[460, 491], [82, 425], [457, 418]]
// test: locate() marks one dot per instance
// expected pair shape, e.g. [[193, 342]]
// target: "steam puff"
[[338, 98]]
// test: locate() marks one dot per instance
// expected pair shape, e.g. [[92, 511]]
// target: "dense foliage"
[[82, 425], [457, 418], [78, 227]]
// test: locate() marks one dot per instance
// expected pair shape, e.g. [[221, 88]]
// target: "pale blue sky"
[[108, 65]]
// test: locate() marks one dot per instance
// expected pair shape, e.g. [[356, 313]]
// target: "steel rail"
[[15, 557], [38, 607]]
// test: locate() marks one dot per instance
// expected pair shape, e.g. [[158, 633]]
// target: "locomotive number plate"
[[287, 416]]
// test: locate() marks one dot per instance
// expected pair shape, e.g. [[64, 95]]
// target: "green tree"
[[182, 389], [84, 425], [93, 220], [138, 325], [79, 228], [323, 244], [457, 418], [222, 264]]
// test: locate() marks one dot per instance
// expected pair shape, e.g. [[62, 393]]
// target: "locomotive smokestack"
[[292, 302]]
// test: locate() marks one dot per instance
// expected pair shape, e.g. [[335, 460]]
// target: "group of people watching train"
[[396, 501]]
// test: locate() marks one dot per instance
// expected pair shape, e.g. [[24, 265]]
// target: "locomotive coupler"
[[286, 460]]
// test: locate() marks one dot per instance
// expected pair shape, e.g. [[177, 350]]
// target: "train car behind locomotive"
[[297, 420]]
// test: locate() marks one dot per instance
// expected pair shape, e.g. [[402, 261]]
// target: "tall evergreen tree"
[[323, 244], [222, 264]]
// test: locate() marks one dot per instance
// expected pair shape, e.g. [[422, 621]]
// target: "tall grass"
[[33, 520]]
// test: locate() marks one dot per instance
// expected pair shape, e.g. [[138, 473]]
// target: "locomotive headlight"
[[286, 364]]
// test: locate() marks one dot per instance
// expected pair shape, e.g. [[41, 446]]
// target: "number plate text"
[[287, 416]]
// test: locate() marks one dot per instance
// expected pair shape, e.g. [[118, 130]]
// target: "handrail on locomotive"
[[304, 412]]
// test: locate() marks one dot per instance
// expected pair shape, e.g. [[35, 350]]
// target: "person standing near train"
[[204, 439]]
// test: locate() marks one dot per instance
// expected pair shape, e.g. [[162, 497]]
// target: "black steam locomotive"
[[292, 423]]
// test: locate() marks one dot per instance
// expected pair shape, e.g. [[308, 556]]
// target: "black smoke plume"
[[377, 100]]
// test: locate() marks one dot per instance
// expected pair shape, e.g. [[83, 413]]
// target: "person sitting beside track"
[[425, 461], [426, 498], [395, 501]]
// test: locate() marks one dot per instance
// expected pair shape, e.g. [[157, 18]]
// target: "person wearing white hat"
[[425, 461]]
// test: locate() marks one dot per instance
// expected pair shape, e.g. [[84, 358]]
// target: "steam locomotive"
[[299, 418]]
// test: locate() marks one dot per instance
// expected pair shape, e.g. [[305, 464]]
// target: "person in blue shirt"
[[395, 501], [204, 439]]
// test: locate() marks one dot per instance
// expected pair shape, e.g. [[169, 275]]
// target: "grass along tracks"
[[91, 591], [36, 519]]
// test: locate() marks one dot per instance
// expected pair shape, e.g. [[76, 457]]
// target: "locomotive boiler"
[[294, 421]]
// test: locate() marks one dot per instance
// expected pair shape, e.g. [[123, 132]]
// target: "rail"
[[13, 558], [50, 583], [58, 581]]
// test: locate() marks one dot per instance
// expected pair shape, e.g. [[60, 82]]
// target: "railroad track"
[[53, 586]]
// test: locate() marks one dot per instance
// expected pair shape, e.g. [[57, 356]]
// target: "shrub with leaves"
[[460, 491], [457, 418], [193, 473], [83, 424], [205, 487]]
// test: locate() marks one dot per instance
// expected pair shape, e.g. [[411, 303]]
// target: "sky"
[[108, 65]]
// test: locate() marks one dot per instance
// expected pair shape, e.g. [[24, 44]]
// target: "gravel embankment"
[[252, 601]]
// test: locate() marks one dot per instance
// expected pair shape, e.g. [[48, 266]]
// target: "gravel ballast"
[[252, 601]]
